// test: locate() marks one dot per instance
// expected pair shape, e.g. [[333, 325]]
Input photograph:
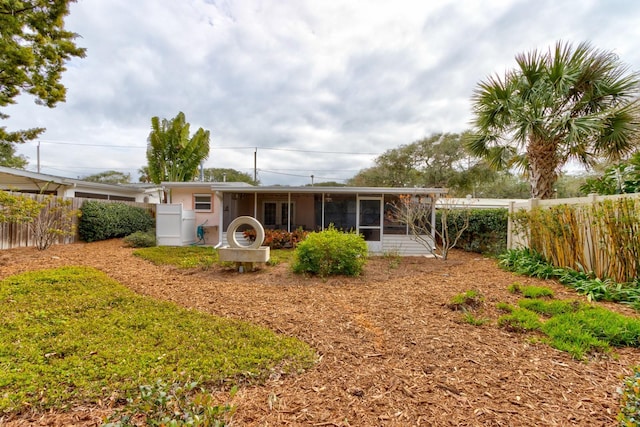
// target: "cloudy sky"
[[315, 87]]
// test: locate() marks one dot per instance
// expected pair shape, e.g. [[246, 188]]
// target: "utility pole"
[[312, 180], [255, 165], [38, 151]]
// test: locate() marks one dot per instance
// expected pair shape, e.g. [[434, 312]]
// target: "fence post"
[[510, 224]]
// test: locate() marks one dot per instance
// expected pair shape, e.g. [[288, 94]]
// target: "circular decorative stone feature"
[[251, 222]]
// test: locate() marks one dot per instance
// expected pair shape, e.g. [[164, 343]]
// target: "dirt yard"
[[391, 352]]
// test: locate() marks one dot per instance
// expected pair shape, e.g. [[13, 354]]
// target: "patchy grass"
[[73, 335], [200, 256], [180, 256], [577, 328], [469, 300], [278, 256], [530, 291], [474, 320]]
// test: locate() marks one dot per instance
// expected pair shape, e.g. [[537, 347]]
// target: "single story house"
[[213, 205], [23, 181]]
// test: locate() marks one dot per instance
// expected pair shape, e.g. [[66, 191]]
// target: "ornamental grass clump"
[[331, 252]]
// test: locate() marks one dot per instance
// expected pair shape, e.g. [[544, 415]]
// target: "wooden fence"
[[14, 235], [595, 233]]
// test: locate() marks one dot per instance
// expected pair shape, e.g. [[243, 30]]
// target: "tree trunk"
[[543, 166]]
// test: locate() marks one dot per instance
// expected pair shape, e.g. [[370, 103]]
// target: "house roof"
[[15, 178], [332, 190], [200, 184]]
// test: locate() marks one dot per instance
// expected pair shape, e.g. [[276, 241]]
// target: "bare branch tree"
[[419, 214]]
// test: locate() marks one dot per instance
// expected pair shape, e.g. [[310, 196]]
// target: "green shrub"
[[487, 231], [102, 220], [141, 239], [331, 252], [630, 401]]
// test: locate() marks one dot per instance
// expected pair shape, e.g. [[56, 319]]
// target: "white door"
[[370, 222]]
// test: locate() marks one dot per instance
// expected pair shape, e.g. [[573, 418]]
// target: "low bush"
[[141, 239], [331, 252], [102, 221], [278, 239], [531, 263]]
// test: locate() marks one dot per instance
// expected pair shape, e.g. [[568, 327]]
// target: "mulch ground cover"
[[391, 350]]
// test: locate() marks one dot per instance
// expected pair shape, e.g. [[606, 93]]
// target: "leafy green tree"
[[564, 104], [171, 154], [144, 174], [440, 160], [18, 208], [228, 175], [34, 47], [505, 185], [621, 178], [327, 184], [8, 157], [109, 177]]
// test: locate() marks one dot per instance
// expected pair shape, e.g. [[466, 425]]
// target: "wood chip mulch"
[[391, 351]]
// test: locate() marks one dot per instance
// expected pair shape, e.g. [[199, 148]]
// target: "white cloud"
[[334, 76]]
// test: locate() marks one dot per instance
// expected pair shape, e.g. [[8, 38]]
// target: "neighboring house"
[[473, 203], [213, 205], [23, 181]]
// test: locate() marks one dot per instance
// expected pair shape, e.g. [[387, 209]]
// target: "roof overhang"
[[332, 190], [16, 178]]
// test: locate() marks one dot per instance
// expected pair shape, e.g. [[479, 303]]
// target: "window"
[[269, 213], [202, 202], [276, 214], [392, 225]]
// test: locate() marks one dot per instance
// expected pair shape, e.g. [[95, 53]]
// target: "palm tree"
[[564, 104], [171, 154]]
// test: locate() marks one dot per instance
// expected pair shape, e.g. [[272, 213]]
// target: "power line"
[[297, 150], [89, 145]]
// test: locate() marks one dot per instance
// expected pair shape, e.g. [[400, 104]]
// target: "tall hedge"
[[102, 220], [487, 232]]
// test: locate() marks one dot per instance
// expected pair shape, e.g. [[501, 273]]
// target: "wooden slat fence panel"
[[594, 233], [14, 235]]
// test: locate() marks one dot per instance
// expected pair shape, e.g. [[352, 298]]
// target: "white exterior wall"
[[184, 196], [404, 245]]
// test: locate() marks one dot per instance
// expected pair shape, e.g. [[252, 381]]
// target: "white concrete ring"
[[245, 220]]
